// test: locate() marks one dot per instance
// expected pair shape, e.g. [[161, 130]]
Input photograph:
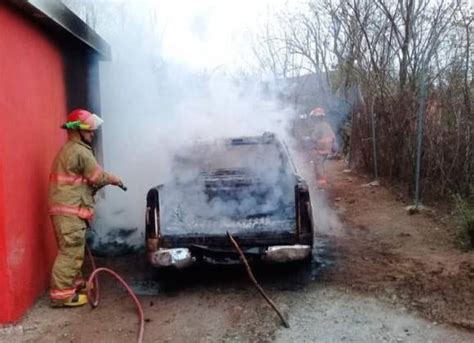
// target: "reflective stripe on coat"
[[74, 178]]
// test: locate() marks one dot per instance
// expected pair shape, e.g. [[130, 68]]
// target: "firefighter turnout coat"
[[74, 179], [323, 137]]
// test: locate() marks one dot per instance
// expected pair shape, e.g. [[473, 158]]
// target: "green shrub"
[[465, 209]]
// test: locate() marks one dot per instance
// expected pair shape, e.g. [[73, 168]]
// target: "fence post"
[[421, 112], [374, 140]]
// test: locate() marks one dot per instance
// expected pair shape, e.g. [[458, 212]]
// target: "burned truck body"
[[246, 186]]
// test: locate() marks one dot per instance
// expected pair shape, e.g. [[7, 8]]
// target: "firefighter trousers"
[[320, 170], [71, 237]]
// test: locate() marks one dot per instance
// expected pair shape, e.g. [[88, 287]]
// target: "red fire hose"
[[94, 293]]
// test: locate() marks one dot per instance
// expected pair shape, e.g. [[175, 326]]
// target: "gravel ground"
[[328, 314]]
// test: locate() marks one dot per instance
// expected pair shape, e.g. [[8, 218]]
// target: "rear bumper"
[[178, 258], [185, 257], [287, 253]]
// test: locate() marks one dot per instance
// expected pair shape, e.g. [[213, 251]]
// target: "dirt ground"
[[414, 259], [378, 275]]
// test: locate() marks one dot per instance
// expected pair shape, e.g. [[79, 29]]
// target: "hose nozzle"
[[122, 186]]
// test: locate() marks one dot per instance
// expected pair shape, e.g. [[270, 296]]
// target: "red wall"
[[32, 107]]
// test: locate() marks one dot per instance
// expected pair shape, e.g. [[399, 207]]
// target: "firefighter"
[[324, 142], [74, 179]]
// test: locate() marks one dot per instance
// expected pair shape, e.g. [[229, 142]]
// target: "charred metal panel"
[[239, 185], [152, 221], [245, 240], [303, 213]]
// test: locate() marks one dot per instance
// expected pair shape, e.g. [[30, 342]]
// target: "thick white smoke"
[[154, 104], [152, 107]]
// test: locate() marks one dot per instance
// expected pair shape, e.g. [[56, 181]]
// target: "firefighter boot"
[[83, 286], [74, 301], [77, 300]]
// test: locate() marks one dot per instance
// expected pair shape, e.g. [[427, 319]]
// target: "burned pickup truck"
[[246, 186]]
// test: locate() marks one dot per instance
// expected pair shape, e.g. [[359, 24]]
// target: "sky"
[[202, 34], [211, 33]]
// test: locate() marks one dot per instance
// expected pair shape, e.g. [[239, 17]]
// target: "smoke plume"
[[155, 107]]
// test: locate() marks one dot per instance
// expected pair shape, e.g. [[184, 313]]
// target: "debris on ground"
[[415, 209]]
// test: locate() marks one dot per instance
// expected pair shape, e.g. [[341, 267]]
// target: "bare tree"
[[410, 60]]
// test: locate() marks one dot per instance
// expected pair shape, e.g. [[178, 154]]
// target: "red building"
[[48, 66]]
